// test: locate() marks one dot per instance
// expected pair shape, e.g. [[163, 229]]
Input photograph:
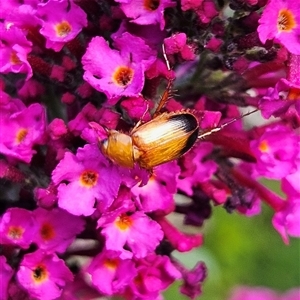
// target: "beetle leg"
[[164, 98], [168, 91], [141, 119]]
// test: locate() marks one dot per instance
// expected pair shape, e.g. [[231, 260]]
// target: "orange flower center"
[[286, 21], [14, 59], [294, 94], [151, 4], [39, 274], [264, 146], [89, 178], [111, 264], [123, 76], [21, 135], [123, 222], [15, 232], [63, 29], [47, 232]]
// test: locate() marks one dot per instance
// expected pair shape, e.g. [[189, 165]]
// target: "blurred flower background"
[[245, 253]]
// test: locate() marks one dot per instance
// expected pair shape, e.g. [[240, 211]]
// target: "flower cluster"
[[73, 221]]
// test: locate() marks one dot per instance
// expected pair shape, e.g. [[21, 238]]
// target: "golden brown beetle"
[[163, 139]]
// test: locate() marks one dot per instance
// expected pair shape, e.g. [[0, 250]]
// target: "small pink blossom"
[[276, 150], [57, 229], [6, 273], [158, 193], [43, 275], [111, 274], [21, 130], [154, 274], [14, 50], [281, 21], [18, 227], [90, 178], [61, 22], [135, 231], [119, 76], [146, 12]]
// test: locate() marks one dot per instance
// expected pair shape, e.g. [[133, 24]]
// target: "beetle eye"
[[103, 144]]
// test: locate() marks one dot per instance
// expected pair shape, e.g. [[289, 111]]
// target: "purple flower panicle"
[[75, 74]]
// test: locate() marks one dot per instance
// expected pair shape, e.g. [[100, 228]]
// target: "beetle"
[[164, 138]]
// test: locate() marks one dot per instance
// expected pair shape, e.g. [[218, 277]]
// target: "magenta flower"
[[43, 275], [155, 273], [61, 22], [146, 12], [90, 178], [287, 220], [134, 231], [198, 169], [17, 227], [177, 43], [253, 293], [276, 150], [119, 76], [205, 9], [74, 70], [276, 101], [262, 293], [137, 50], [6, 273], [193, 279], [14, 50], [111, 274], [56, 229], [21, 130], [281, 21], [158, 193]]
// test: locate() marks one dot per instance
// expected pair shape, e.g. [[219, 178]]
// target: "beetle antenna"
[[166, 57], [216, 129]]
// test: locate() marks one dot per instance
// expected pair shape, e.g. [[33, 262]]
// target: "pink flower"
[[110, 71], [6, 273], [43, 275], [193, 279], [177, 43], [158, 193], [253, 293], [276, 150], [21, 130], [134, 231], [111, 274], [61, 22], [262, 293], [18, 227], [90, 178], [196, 168], [57, 229], [146, 12], [276, 102], [205, 9], [155, 274], [287, 220], [14, 50], [281, 21]]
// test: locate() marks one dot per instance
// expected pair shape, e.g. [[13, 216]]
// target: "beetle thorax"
[[118, 148]]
